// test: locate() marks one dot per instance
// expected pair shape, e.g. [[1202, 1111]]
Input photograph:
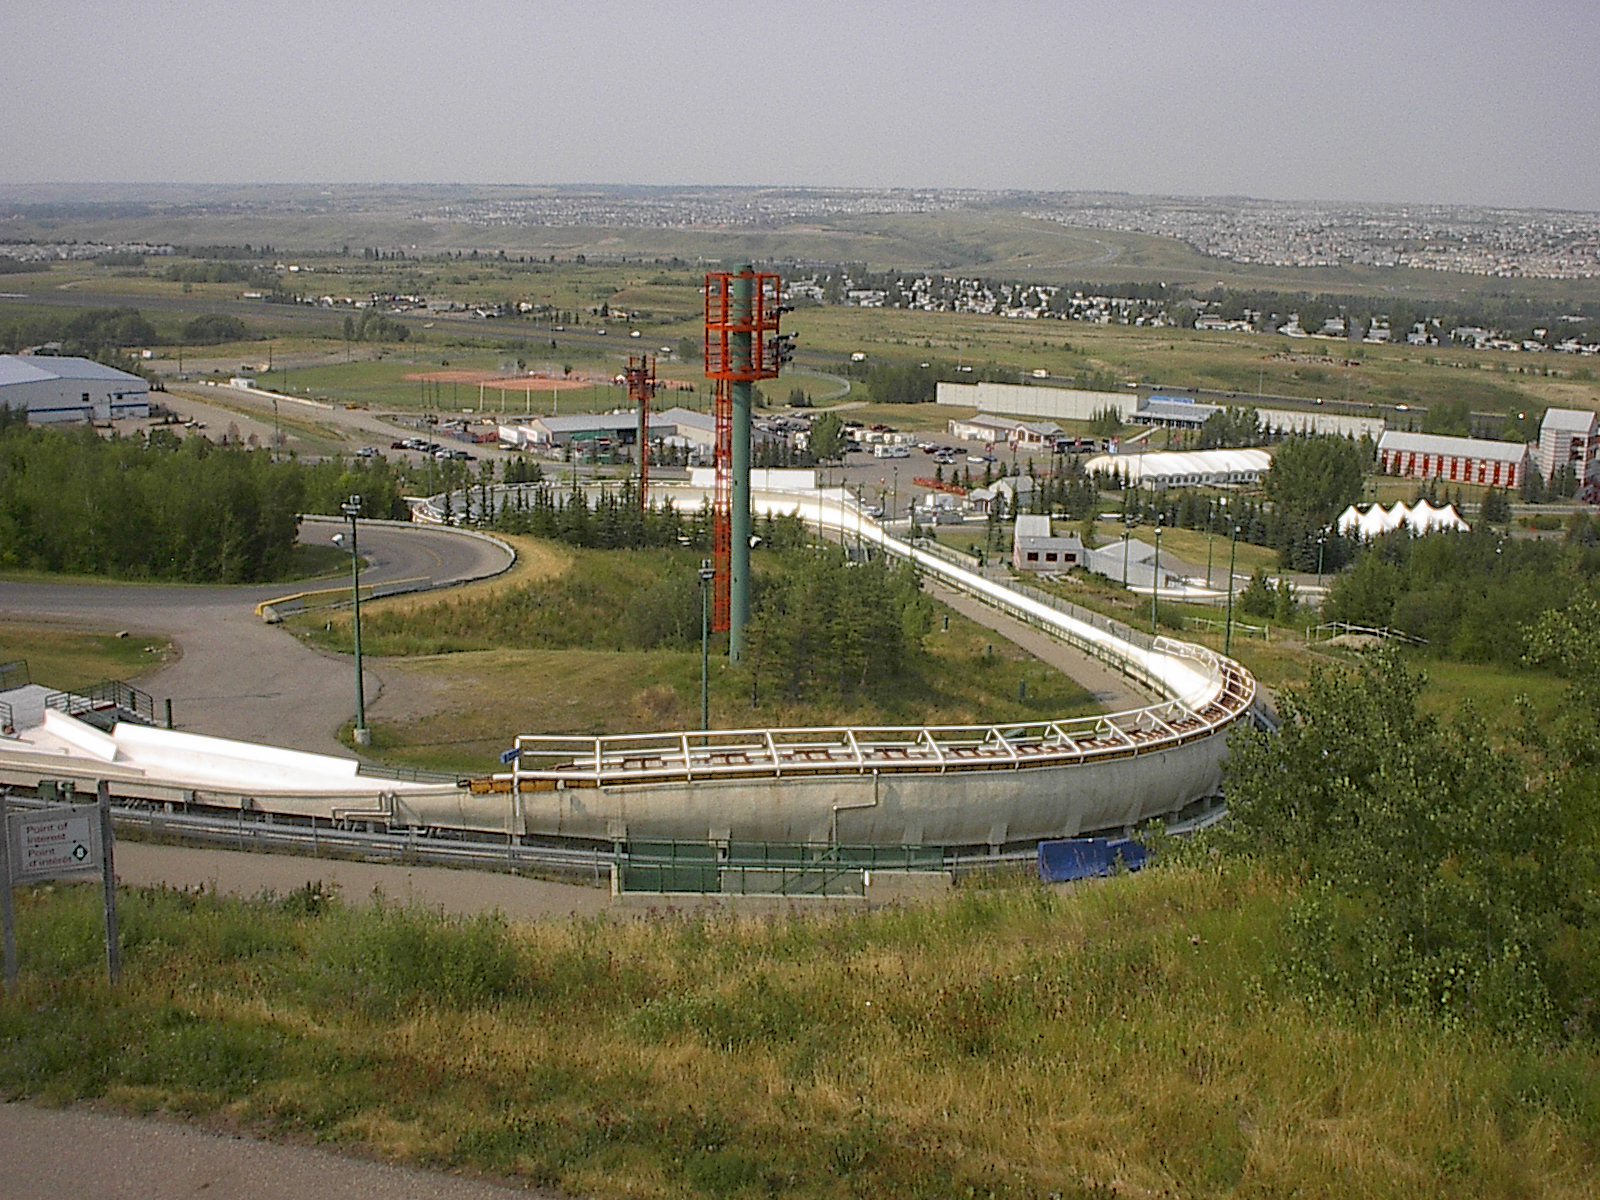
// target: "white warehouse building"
[[52, 390]]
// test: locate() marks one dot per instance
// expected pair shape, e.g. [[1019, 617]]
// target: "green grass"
[[66, 659], [1122, 1039], [461, 709]]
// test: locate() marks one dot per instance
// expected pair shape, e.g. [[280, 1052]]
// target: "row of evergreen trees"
[[72, 502], [825, 623], [163, 507]]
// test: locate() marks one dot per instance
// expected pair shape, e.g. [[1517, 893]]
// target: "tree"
[[1259, 598], [213, 329], [1229, 427], [1496, 508], [1314, 478], [827, 437], [1434, 870]]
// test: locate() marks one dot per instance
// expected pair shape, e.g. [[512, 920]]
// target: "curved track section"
[[987, 786], [983, 787]]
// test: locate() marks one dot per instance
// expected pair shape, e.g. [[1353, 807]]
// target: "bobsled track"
[[958, 790]]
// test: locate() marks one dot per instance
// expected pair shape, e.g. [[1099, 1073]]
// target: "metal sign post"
[[108, 884], [8, 917], [59, 842]]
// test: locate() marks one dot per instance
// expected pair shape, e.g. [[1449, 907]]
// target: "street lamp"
[[707, 574], [1320, 542], [1233, 558], [1155, 583], [352, 509], [1211, 529], [1127, 529]]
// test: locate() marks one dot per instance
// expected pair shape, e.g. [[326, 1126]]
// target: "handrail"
[[112, 693]]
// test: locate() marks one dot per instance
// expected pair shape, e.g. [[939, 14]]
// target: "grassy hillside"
[[1124, 1039]]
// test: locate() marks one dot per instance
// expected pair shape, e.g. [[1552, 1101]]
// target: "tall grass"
[[1126, 1039]]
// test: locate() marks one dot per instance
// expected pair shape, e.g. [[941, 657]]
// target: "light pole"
[[1233, 557], [1127, 530], [1211, 528], [707, 574], [1155, 582], [1320, 542], [352, 509]]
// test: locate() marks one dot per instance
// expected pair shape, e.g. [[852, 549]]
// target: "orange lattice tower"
[[641, 377]]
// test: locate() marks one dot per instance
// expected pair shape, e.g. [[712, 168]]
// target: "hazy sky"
[[1464, 101]]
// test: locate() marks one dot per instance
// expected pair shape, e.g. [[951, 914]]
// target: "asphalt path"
[[235, 676], [49, 1154]]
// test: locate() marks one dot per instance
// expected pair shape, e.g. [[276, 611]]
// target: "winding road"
[[235, 676]]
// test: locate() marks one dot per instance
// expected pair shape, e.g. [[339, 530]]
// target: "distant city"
[[1495, 242], [1509, 243]]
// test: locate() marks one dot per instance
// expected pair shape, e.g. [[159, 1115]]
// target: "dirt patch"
[[1356, 641], [510, 383]]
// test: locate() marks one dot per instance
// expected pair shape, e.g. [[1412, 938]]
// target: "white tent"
[[1421, 518]]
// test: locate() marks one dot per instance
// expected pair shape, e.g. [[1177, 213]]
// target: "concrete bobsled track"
[[980, 787]]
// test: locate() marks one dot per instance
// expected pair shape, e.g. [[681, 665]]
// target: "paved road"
[[235, 676], [50, 1154]]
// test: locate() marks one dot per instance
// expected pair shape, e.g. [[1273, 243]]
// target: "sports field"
[[536, 382]]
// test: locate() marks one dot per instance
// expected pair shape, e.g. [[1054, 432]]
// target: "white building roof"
[[1033, 525], [1569, 420], [1456, 447], [1165, 465], [34, 368]]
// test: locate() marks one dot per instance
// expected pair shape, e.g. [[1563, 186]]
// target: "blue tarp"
[[1087, 858]]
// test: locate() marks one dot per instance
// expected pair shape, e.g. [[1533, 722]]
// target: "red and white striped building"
[[1453, 459]]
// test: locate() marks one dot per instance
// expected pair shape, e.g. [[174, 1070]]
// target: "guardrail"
[[1263, 631], [243, 831], [335, 597], [406, 774], [1337, 628], [14, 675]]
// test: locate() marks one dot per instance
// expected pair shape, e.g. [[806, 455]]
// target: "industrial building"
[[1074, 404], [678, 427], [1019, 435], [1453, 459], [1034, 547], [52, 390]]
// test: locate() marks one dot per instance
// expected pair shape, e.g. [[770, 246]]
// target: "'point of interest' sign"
[[55, 844]]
